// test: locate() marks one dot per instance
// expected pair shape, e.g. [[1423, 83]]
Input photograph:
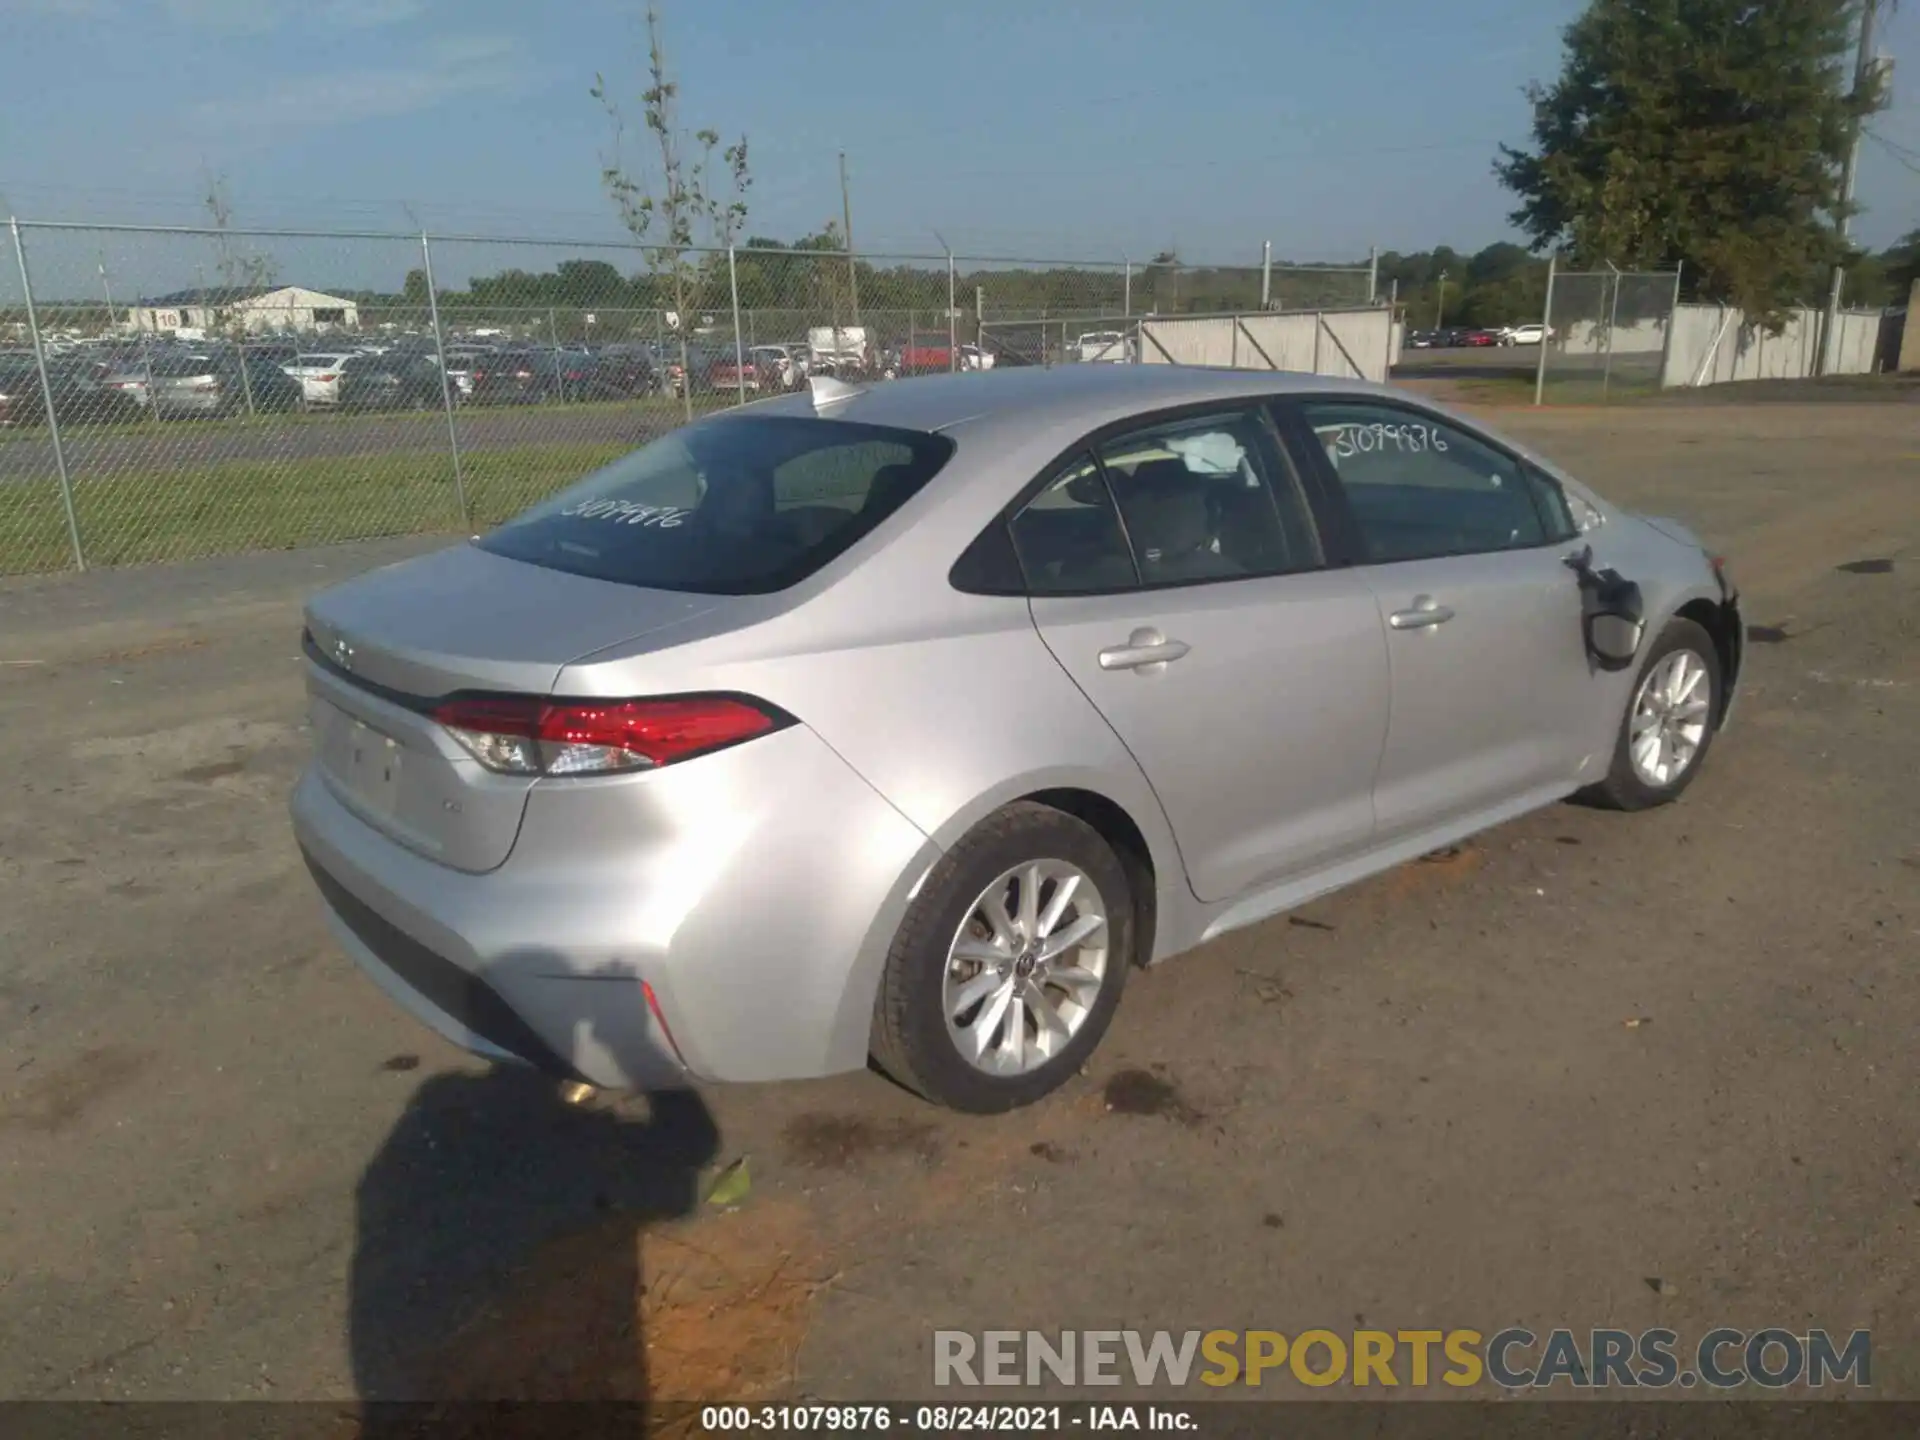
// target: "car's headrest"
[[891, 486], [1166, 510]]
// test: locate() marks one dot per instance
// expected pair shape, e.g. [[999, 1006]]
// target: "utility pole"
[[1440, 301], [846, 214], [1862, 77]]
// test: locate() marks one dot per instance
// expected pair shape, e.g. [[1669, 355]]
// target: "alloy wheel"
[[1026, 967], [1670, 716]]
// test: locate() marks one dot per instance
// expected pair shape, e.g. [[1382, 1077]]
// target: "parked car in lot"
[[396, 380], [661, 782], [1531, 334], [1103, 347], [319, 374], [1475, 338], [697, 361], [1423, 339], [80, 397], [460, 369], [627, 370], [777, 366], [210, 384], [510, 377], [729, 371]]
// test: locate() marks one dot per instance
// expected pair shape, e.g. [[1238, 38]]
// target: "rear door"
[[1175, 573], [1464, 547]]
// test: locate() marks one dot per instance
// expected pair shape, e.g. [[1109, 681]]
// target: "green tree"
[[669, 204], [1707, 132]]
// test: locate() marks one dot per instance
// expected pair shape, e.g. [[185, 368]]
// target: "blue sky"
[[1035, 128]]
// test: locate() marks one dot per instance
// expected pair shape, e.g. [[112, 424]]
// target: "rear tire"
[[956, 985], [1654, 776]]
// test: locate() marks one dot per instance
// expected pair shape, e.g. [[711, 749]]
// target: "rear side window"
[[739, 506], [1069, 538]]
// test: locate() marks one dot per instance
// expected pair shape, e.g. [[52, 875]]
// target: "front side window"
[[1419, 488], [1200, 504], [735, 507]]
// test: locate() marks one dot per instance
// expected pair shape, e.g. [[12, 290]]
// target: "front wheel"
[[1009, 964], [1669, 724]]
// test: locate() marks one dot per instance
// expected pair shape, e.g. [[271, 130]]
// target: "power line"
[[1900, 153]]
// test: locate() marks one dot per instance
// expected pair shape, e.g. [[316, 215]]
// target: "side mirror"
[[1613, 638]]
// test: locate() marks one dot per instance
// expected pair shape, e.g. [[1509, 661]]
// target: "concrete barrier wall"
[[1358, 344], [1589, 337], [1713, 345]]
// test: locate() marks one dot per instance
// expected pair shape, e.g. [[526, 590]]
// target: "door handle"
[[1145, 649], [1426, 613]]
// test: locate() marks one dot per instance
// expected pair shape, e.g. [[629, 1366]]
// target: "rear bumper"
[[754, 894]]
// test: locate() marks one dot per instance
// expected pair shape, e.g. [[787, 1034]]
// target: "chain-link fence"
[[175, 392], [1603, 335]]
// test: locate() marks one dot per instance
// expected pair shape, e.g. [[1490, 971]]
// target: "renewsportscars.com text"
[[1514, 1359]]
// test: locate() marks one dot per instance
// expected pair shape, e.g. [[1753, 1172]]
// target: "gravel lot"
[[232, 1170]]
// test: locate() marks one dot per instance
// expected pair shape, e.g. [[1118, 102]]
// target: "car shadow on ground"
[[498, 1247]]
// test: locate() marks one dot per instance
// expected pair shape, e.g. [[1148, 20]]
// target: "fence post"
[[1673, 319], [1266, 275], [1393, 313], [1546, 335], [446, 383], [1318, 325], [146, 366], [953, 317], [46, 395], [739, 351], [553, 339], [1373, 275], [1613, 316], [1126, 295]]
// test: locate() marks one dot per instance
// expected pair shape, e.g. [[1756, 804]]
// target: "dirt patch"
[[838, 1141], [206, 774], [1141, 1092], [731, 1326], [60, 1098], [1453, 865]]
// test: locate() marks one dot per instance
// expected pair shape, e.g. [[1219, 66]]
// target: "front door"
[[1491, 682], [1177, 576]]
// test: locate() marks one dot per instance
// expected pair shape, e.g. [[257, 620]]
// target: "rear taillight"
[[326, 379], [516, 735]]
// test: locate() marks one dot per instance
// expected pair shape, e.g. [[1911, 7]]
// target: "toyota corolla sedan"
[[900, 723]]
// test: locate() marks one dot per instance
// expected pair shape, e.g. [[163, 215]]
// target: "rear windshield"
[[741, 506]]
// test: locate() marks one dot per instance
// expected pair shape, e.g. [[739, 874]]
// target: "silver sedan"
[[902, 722]]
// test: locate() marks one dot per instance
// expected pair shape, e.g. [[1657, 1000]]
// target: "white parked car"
[[319, 375], [1524, 335], [776, 367], [972, 357], [1103, 346]]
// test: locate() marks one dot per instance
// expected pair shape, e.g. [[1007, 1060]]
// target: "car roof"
[[1086, 396]]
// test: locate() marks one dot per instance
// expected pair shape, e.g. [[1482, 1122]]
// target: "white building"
[[261, 310]]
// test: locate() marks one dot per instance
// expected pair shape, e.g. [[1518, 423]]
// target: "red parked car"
[[922, 360], [1477, 338], [730, 373]]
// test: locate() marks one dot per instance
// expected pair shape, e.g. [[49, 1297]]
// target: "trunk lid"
[[382, 648]]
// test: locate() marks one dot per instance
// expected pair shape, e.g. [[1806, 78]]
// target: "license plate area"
[[364, 762]]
